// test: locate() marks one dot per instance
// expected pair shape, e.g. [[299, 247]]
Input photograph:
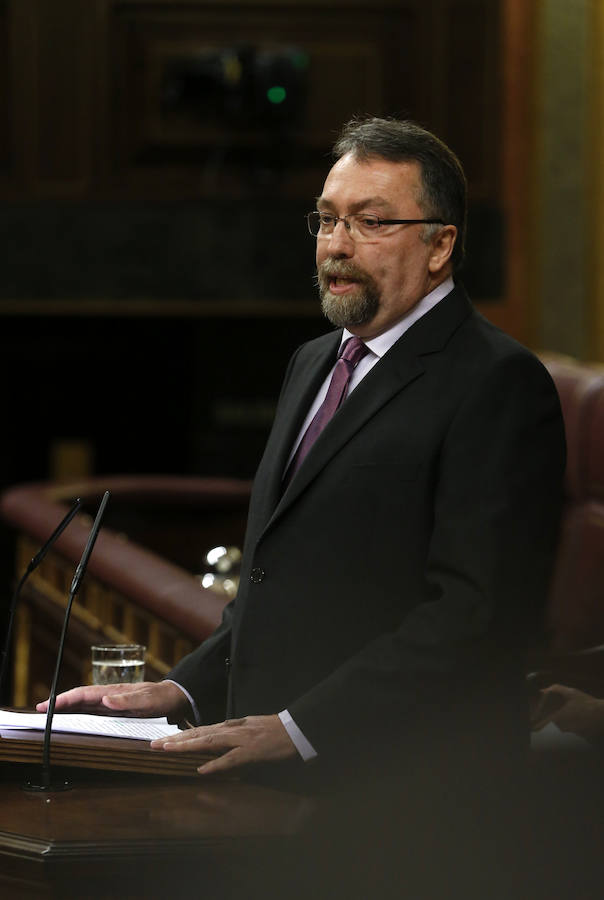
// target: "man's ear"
[[442, 248]]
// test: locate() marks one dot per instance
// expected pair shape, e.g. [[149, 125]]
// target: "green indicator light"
[[276, 94]]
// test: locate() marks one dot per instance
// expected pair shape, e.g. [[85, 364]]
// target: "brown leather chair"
[[575, 611]]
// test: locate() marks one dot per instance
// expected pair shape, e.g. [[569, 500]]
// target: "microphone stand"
[[46, 783], [34, 563]]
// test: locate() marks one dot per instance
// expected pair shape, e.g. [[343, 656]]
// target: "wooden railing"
[[130, 593]]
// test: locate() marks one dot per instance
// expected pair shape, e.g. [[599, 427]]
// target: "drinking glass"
[[118, 663]]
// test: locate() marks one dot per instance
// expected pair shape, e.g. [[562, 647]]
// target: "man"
[[392, 569]]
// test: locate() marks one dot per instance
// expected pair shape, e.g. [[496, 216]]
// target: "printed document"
[[76, 723]]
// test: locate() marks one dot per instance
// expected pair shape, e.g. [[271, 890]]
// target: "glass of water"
[[118, 663]]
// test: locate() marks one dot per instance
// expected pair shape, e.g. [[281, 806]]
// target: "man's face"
[[369, 286]]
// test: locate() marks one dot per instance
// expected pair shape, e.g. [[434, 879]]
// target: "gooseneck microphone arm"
[[45, 783], [34, 563]]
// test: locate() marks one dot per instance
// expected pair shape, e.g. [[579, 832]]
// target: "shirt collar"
[[383, 342]]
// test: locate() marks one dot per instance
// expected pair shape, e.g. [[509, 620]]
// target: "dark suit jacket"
[[387, 593]]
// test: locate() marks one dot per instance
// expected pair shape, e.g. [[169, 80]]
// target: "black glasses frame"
[[379, 221]]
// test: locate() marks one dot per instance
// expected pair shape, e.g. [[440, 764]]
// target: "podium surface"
[[132, 836]]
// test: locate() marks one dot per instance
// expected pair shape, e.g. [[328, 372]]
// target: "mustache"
[[340, 268]]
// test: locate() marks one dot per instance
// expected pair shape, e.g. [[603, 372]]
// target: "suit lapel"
[[375, 390], [307, 375], [400, 366]]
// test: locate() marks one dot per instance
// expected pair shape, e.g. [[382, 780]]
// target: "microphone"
[[34, 563], [45, 783]]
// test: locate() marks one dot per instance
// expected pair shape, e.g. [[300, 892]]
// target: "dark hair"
[[444, 186]]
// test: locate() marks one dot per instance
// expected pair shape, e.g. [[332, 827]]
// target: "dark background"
[[155, 270]]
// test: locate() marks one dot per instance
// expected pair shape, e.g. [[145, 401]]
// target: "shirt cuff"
[[302, 745], [192, 703]]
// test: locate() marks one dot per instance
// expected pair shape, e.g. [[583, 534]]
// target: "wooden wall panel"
[[63, 79], [472, 66], [85, 81], [51, 72], [367, 69], [90, 138], [6, 130]]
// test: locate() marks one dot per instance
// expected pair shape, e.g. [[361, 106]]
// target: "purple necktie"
[[351, 352]]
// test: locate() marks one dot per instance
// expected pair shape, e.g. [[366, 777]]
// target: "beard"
[[358, 307]]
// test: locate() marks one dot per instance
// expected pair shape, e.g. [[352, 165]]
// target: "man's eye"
[[369, 222], [326, 220]]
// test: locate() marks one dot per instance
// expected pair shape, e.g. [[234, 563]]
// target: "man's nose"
[[340, 242]]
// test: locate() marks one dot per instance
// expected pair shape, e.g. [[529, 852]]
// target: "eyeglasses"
[[360, 226]]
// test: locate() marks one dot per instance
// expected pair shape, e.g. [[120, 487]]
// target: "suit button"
[[257, 575]]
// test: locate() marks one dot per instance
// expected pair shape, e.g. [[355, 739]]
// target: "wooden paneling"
[[107, 167], [119, 205], [6, 155], [87, 82], [595, 300], [64, 111], [367, 69], [472, 112], [517, 314], [51, 92]]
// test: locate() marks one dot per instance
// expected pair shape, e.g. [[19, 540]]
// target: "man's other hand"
[[236, 742], [147, 699], [571, 710]]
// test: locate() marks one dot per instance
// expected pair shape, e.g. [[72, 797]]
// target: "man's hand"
[[239, 742], [571, 710], [145, 699]]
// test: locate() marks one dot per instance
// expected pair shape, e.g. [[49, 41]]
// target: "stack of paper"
[[78, 723]]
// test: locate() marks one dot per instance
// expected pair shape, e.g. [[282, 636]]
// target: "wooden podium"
[[145, 829], [137, 823], [120, 835]]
